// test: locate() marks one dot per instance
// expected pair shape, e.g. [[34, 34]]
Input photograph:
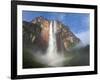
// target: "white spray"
[[52, 57], [52, 47]]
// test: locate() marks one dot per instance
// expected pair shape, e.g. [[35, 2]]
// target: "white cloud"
[[84, 37]]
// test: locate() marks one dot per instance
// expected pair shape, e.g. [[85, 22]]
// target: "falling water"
[[54, 58], [52, 48]]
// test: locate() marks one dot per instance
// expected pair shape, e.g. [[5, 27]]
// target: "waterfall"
[[52, 46], [51, 57]]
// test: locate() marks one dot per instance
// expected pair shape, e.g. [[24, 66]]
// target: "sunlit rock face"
[[36, 33], [65, 38], [42, 39]]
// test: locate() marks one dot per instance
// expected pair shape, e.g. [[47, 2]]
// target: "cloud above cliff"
[[84, 37]]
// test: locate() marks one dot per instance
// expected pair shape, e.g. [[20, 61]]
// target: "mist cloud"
[[84, 37]]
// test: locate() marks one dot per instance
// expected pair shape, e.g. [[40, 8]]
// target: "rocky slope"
[[36, 34]]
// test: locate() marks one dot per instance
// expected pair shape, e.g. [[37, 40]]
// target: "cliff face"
[[44, 34], [36, 33], [65, 38]]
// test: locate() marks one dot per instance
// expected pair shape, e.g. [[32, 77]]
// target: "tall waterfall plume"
[[54, 58], [51, 57], [52, 47]]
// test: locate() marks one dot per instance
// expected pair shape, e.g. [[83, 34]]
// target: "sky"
[[77, 22]]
